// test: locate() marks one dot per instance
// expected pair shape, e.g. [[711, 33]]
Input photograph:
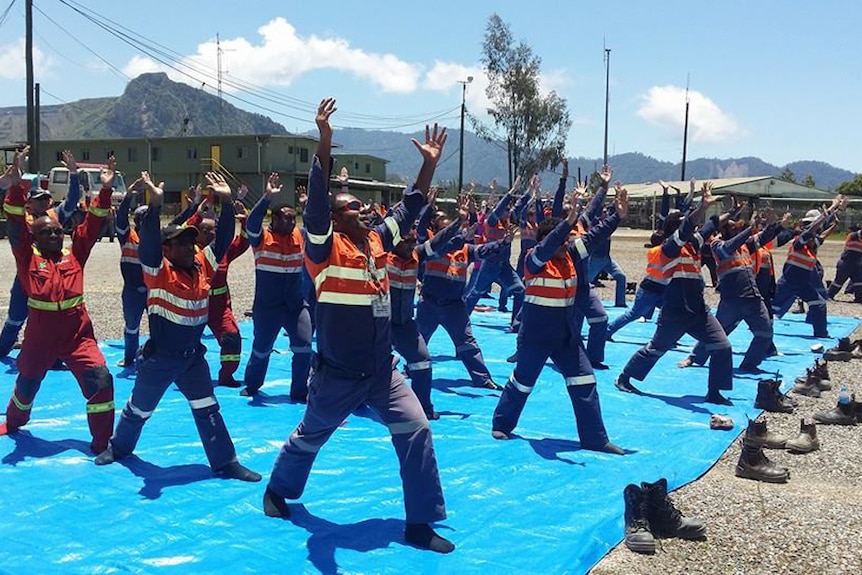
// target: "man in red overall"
[[58, 326]]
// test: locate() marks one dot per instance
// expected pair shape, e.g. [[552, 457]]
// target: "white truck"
[[88, 174]]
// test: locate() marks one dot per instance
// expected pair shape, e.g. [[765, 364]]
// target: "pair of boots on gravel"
[[753, 463], [650, 514]]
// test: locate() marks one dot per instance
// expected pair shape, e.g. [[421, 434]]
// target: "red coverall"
[[59, 326]]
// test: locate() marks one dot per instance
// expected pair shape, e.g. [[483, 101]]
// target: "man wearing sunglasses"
[[346, 258], [59, 327]]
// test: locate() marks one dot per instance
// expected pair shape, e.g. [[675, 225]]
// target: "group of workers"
[[351, 266]]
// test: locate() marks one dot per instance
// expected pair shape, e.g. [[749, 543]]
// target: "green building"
[[180, 162]]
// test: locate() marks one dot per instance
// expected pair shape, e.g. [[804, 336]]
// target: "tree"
[[852, 187], [808, 181], [787, 175], [535, 126]]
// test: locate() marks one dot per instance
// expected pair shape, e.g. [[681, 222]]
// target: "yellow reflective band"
[[97, 211], [229, 357], [55, 305], [243, 233], [14, 210], [218, 291], [19, 405], [100, 407]]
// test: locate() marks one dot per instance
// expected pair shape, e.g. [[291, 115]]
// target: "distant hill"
[[154, 106]]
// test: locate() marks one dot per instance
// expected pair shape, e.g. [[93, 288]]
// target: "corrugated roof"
[[760, 186]]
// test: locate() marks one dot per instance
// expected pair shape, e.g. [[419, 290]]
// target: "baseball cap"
[[38, 194], [810, 216], [174, 231]]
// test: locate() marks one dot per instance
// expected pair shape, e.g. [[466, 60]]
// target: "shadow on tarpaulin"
[[536, 504]]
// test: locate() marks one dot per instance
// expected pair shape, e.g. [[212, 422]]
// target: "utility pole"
[[31, 112], [607, 98], [461, 138], [37, 129], [220, 103], [685, 131]]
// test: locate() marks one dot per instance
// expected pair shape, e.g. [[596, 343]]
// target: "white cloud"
[[664, 106], [282, 56], [14, 67]]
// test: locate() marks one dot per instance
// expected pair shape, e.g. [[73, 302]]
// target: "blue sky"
[[773, 79]]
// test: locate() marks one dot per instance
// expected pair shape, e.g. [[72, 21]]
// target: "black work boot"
[[664, 518], [841, 414], [770, 398], [638, 535], [807, 440], [807, 384], [753, 464], [758, 434]]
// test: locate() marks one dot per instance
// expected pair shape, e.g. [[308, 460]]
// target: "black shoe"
[[599, 365], [249, 392], [664, 518], [236, 470], [608, 447], [299, 398], [422, 536], [106, 457], [274, 505], [512, 358], [623, 383], [638, 536], [432, 415], [503, 309], [229, 381]]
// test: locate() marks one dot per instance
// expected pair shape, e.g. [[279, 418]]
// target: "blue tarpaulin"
[[535, 504]]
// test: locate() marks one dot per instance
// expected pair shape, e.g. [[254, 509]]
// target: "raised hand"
[[706, 190], [431, 196], [273, 186], [621, 203], [242, 192], [663, 184], [433, 147], [343, 176], [106, 175], [218, 185], [324, 111], [239, 208], [18, 162], [69, 161], [301, 195], [605, 176]]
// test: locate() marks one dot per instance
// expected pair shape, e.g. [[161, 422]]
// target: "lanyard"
[[371, 268]]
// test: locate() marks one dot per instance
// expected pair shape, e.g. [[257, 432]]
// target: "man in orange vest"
[[849, 267], [799, 277], [684, 309], [178, 278], [740, 298], [59, 327], [279, 301], [347, 262], [547, 328]]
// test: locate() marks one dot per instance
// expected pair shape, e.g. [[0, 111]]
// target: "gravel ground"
[[813, 524]]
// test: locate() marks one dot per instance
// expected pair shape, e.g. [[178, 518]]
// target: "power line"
[[6, 12]]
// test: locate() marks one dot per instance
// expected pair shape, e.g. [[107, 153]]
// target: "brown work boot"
[[807, 384], [821, 370], [753, 464], [807, 440], [841, 414], [758, 434], [770, 398]]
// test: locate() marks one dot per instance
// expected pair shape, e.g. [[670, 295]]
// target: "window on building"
[[156, 154], [240, 152], [355, 166], [85, 155], [367, 168], [191, 153], [303, 155], [290, 149], [59, 156], [132, 155]]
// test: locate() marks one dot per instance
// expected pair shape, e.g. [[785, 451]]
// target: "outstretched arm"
[[317, 216]]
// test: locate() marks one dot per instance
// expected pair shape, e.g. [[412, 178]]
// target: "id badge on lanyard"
[[380, 305]]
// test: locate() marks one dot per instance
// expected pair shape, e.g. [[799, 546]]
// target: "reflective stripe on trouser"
[[732, 311], [669, 329], [15, 318], [192, 376], [21, 403], [644, 305], [410, 346], [570, 358], [786, 293], [223, 325], [455, 319], [267, 323], [588, 306], [134, 304], [331, 399], [100, 418]]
